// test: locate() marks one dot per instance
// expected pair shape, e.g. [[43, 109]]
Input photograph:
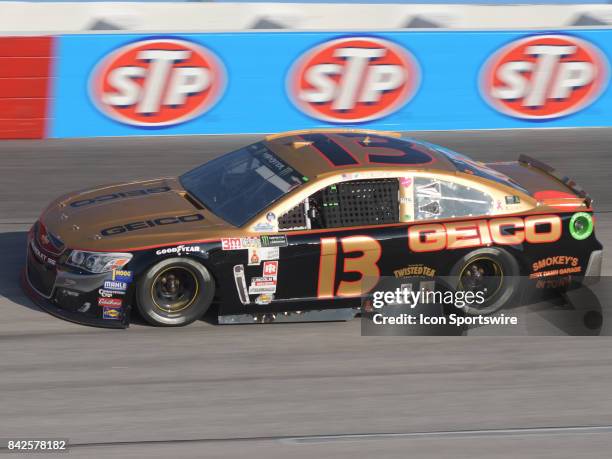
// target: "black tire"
[[501, 267], [175, 292]]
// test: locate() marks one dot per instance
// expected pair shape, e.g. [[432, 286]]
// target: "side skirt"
[[324, 315]]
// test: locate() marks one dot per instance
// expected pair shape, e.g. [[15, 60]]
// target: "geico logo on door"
[[353, 79], [158, 82], [536, 229], [545, 76]]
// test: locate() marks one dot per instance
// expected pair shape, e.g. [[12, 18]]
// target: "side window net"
[[441, 199], [294, 219], [359, 202]]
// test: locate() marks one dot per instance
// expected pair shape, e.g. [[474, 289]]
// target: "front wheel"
[[175, 292], [492, 273]]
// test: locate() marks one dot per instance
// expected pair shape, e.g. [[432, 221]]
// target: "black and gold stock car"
[[304, 221]]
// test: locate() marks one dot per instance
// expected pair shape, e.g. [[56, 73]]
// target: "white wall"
[[24, 17]]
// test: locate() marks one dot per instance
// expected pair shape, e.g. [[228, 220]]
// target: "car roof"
[[306, 151]]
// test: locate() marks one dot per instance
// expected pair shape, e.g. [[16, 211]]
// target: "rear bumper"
[[83, 317], [592, 273]]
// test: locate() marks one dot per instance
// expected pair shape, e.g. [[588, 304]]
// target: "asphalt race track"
[[289, 390]]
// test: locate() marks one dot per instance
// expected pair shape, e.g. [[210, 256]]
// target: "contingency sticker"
[[239, 243], [122, 275], [270, 268], [111, 312], [241, 285], [257, 255], [264, 284], [264, 298], [275, 240]]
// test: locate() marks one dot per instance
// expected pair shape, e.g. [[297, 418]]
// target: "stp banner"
[[259, 82]]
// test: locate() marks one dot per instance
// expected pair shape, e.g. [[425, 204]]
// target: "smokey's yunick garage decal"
[[428, 237]]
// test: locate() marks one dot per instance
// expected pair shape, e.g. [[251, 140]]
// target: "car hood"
[[129, 216]]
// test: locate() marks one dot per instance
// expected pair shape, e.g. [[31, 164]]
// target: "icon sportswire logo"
[[157, 82], [544, 76], [353, 79]]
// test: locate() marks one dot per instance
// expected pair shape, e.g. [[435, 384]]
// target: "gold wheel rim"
[[173, 309], [498, 271]]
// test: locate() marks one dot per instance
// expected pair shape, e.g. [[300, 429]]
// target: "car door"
[[338, 240]]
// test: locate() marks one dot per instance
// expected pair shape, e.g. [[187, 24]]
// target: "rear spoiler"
[[528, 160]]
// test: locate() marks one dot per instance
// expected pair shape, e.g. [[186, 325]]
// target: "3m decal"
[[366, 265], [157, 82], [544, 76], [536, 229], [240, 243], [353, 79]]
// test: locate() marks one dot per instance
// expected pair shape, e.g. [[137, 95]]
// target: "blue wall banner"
[[260, 82]]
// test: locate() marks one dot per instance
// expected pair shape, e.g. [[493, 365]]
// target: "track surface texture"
[[289, 390]]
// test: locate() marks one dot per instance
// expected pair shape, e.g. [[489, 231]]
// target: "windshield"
[[239, 185]]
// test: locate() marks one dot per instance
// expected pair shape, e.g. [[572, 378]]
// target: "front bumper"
[[80, 317], [70, 296]]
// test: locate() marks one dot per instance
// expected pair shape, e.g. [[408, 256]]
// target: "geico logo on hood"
[[545, 76], [178, 250], [157, 82], [136, 226], [353, 79], [119, 195]]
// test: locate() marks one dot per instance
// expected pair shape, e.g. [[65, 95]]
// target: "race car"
[[302, 226]]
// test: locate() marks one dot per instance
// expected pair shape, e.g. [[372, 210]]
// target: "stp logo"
[[158, 82], [544, 76], [353, 79]]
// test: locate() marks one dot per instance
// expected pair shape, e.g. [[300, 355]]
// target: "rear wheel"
[[175, 292], [493, 274]]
